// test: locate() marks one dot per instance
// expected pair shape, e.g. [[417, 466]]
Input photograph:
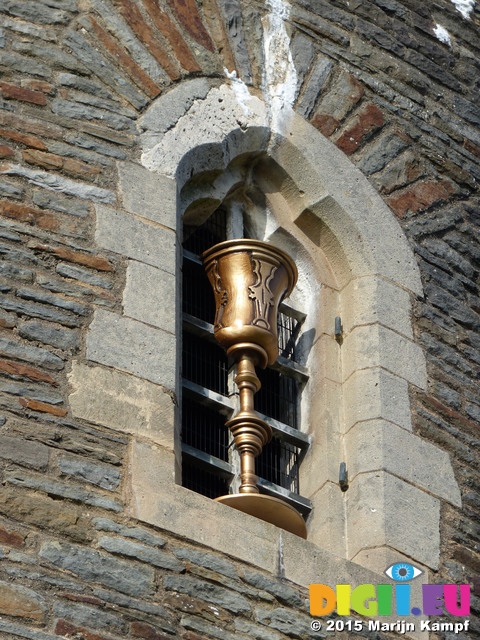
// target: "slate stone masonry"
[[76, 76]]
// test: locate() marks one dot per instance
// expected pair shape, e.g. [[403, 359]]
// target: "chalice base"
[[269, 509]]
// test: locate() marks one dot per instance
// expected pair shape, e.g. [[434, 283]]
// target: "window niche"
[[210, 462], [356, 263]]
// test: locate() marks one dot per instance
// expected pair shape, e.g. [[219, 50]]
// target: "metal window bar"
[[278, 397], [279, 464], [212, 231], [204, 363], [204, 429], [288, 329], [202, 481]]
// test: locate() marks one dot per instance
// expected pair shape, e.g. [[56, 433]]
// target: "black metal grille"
[[204, 429], [278, 463], [214, 230], [198, 299], [288, 329], [204, 363], [203, 481], [277, 397]]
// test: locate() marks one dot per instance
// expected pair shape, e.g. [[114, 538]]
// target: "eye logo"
[[402, 572]]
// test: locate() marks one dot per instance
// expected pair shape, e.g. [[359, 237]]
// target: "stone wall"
[[395, 93]]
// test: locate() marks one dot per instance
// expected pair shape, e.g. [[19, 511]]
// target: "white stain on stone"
[[240, 89], [465, 7], [442, 34], [280, 76]]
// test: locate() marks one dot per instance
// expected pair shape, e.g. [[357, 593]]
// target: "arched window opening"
[[210, 464]]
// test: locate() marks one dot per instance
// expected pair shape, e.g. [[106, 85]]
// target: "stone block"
[[135, 238], [62, 490], [21, 602], [150, 296], [377, 445], [371, 299], [34, 508], [376, 346], [387, 511], [32, 355], [88, 564], [122, 402], [24, 452], [218, 596], [153, 557], [103, 524], [119, 575], [168, 109], [209, 561], [100, 475], [370, 394], [155, 499], [65, 339], [148, 194], [89, 617], [321, 462], [326, 524], [132, 346]]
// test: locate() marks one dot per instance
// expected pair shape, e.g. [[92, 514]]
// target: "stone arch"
[[198, 155]]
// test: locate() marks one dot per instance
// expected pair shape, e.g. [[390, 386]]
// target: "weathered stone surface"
[[201, 626], [136, 238], [208, 560], [370, 497], [63, 490], [293, 624], [220, 596], [56, 182], [398, 355], [104, 70], [65, 339], [41, 511], [121, 600], [98, 567], [21, 602], [133, 347], [384, 150], [256, 631], [42, 311], [103, 475], [34, 355], [148, 194], [49, 200], [122, 402], [366, 121], [283, 592], [153, 557], [337, 103], [56, 301], [375, 445], [91, 617], [375, 393], [84, 275], [36, 12], [103, 524], [29, 454], [150, 296], [11, 538]]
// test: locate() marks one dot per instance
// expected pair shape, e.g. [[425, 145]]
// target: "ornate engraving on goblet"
[[249, 279]]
